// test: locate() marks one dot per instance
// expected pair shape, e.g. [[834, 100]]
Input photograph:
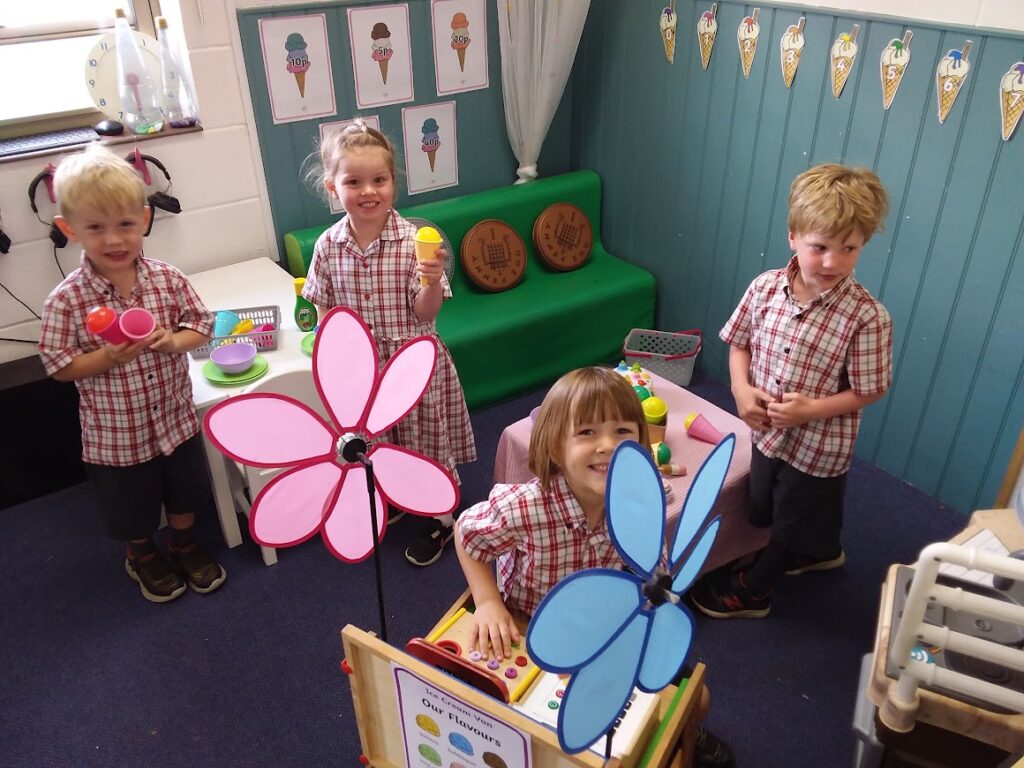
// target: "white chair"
[[251, 480]]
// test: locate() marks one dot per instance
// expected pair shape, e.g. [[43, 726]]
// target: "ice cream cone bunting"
[[707, 31], [792, 47], [746, 37], [1011, 99], [667, 26], [949, 78], [842, 57], [893, 65]]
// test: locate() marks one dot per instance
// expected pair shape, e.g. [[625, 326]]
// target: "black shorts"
[[804, 512], [130, 498]]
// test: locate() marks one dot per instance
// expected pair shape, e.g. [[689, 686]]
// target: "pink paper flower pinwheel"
[[321, 491]]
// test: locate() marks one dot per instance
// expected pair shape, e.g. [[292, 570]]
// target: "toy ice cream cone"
[[699, 428], [792, 45], [893, 65], [1011, 98], [298, 60], [842, 56], [746, 36], [381, 49], [707, 31], [427, 241], [460, 38], [667, 26], [949, 78]]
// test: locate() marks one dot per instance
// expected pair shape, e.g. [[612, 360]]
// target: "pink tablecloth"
[[736, 537]]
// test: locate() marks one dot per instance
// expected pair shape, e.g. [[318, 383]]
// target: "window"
[[44, 45]]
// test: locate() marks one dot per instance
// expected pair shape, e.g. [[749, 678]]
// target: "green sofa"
[[508, 343]]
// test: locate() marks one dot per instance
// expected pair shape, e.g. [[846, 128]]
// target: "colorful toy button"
[[521, 661], [560, 692], [475, 656], [552, 704], [493, 664], [511, 673]]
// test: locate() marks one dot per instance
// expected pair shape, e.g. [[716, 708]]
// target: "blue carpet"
[[93, 675]]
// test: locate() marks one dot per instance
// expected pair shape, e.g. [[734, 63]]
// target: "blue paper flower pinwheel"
[[616, 630]]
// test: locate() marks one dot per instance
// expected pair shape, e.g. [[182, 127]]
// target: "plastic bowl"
[[234, 358]]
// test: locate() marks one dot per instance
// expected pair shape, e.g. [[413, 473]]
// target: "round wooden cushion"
[[563, 237], [493, 255]]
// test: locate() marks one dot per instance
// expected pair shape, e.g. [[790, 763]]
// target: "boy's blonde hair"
[[833, 200], [583, 396], [332, 149], [97, 178]]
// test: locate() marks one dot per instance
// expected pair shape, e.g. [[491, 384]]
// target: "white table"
[[254, 283]]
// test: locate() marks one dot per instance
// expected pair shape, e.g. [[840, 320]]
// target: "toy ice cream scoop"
[[298, 60], [381, 49], [636, 376], [792, 45], [893, 65], [667, 25], [431, 140], [700, 428], [1011, 98], [661, 452], [460, 38], [746, 36], [949, 78], [707, 31], [103, 321], [841, 57], [427, 241]]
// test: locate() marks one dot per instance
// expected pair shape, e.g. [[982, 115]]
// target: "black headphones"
[[5, 241], [161, 199], [59, 238]]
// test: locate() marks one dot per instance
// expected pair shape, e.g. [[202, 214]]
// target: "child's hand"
[[493, 627], [162, 340], [432, 269], [124, 353], [752, 406], [792, 411]]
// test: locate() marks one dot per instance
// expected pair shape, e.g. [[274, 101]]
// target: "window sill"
[[59, 142]]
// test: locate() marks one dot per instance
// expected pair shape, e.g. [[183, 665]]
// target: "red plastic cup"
[[137, 323], [103, 321]]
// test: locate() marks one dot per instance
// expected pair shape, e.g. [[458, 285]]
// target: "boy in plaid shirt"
[[140, 432], [809, 347]]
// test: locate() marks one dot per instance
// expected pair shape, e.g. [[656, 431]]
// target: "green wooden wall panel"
[[485, 157], [697, 167]]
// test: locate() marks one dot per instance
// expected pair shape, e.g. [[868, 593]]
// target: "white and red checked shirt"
[[840, 340], [538, 538], [138, 410]]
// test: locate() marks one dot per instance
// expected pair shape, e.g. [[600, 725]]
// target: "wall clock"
[[101, 71]]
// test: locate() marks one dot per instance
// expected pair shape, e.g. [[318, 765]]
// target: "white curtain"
[[538, 44]]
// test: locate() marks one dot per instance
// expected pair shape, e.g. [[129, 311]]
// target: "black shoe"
[[395, 514], [202, 573], [155, 577], [799, 565], [730, 600], [709, 751], [429, 545]]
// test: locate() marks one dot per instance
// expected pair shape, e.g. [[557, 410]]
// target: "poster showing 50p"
[[431, 147]]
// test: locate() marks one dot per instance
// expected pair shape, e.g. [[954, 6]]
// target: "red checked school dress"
[[381, 286], [138, 410]]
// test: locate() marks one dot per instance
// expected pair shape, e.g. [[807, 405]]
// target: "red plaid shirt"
[[840, 340], [135, 411], [537, 537]]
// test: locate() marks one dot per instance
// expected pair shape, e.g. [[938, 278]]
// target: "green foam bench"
[[517, 340]]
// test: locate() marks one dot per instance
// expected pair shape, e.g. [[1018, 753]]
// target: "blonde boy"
[[140, 431], [809, 347]]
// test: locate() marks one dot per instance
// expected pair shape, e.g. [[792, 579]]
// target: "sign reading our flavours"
[[442, 730]]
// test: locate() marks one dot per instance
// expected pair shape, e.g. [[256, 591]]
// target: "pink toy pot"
[[104, 322], [137, 323]]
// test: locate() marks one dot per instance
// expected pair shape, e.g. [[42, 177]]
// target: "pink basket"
[[265, 341]]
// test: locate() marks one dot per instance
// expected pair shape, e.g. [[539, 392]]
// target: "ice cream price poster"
[[326, 129], [381, 54], [298, 67], [431, 147], [460, 45], [442, 730]]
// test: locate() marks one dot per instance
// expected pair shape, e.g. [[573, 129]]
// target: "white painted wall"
[[985, 14], [217, 174]]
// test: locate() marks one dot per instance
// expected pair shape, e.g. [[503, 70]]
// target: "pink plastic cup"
[[104, 322], [137, 323]]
